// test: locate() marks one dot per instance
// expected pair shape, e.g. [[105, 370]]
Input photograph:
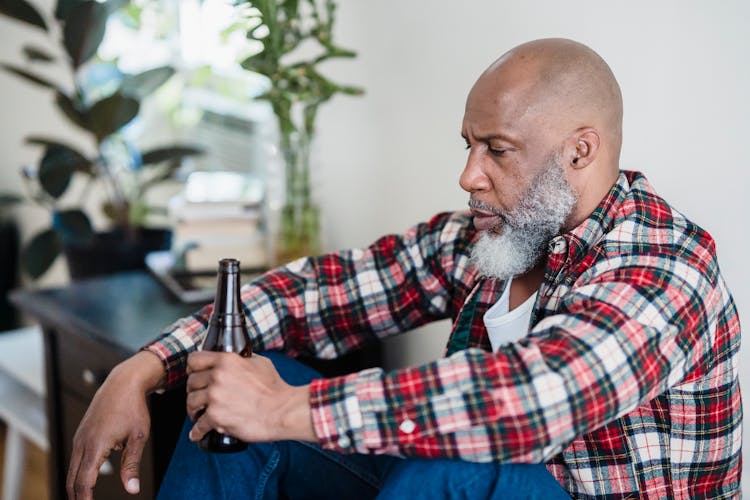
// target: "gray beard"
[[521, 241]]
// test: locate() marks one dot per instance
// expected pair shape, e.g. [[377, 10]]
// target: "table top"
[[124, 311]]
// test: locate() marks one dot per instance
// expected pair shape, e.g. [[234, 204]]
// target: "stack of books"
[[219, 215]]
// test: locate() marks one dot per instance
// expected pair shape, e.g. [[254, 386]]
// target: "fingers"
[[201, 427], [75, 462], [82, 479], [198, 380], [197, 396], [131, 462], [196, 401], [202, 360]]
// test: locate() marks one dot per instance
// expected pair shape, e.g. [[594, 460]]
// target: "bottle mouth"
[[229, 265]]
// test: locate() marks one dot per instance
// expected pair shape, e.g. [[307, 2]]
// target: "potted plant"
[[117, 167], [298, 88]]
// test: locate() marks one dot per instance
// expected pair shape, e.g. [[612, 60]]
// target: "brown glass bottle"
[[227, 332]]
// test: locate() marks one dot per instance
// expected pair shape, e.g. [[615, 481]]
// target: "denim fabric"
[[293, 469]]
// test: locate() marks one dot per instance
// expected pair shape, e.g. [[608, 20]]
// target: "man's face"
[[520, 197], [518, 242], [509, 139]]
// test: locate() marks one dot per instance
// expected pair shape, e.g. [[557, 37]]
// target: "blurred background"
[[391, 157]]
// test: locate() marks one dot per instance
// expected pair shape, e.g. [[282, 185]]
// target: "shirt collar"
[[588, 233]]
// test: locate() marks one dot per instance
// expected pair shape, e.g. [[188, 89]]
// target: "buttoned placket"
[[557, 261]]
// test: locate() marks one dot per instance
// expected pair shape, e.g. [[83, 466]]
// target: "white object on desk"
[[22, 393]]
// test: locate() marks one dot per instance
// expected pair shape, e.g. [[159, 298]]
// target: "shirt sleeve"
[[630, 329], [328, 305]]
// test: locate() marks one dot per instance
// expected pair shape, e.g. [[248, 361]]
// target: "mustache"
[[479, 205]]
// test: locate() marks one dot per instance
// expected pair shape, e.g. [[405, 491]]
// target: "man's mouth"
[[485, 220]]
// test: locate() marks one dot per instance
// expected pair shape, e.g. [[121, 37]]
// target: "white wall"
[[393, 157]]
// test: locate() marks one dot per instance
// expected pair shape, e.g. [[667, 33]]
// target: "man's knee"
[[292, 371]]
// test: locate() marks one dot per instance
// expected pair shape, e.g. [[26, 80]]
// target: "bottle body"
[[227, 332]]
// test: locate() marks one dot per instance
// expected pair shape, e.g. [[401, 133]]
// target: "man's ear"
[[585, 147]]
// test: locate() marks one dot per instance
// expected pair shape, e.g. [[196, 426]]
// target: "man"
[[592, 333]]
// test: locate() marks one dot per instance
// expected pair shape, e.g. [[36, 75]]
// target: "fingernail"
[[134, 485]]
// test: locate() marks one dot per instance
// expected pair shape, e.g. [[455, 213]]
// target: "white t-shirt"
[[508, 326]]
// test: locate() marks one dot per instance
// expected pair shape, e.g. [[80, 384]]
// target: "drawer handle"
[[88, 377], [106, 468]]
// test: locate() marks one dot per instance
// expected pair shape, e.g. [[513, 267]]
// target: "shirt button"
[[407, 426], [344, 442], [559, 245]]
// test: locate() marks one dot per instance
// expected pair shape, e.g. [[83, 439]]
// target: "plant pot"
[[115, 251]]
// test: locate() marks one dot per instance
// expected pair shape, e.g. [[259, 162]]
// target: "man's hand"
[[245, 398], [117, 417]]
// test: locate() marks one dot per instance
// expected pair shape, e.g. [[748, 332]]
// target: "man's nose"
[[473, 177]]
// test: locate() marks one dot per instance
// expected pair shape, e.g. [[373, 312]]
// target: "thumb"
[[131, 462]]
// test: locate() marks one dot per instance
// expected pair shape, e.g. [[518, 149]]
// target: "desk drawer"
[[83, 364]]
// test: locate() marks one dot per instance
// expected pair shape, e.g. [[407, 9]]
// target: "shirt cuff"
[[351, 414], [174, 368], [173, 347]]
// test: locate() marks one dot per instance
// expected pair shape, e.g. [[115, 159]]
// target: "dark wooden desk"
[[88, 328]]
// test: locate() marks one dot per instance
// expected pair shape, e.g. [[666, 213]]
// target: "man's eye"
[[467, 146], [497, 152]]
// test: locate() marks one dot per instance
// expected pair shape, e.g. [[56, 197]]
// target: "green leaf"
[[23, 11], [57, 166], [28, 76], [158, 155], [344, 53], [9, 199], [349, 90], [39, 254], [73, 226], [261, 64], [37, 54], [63, 8], [110, 114], [142, 84], [85, 23], [69, 108]]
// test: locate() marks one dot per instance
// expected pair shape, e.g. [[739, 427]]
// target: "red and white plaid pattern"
[[626, 385]]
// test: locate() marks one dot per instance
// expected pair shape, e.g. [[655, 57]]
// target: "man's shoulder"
[[646, 223]]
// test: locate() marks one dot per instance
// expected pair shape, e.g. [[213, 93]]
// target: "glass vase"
[[299, 223]]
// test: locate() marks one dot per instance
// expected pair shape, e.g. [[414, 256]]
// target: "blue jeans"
[[295, 469]]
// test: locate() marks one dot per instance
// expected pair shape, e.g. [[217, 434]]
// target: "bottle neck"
[[227, 299]]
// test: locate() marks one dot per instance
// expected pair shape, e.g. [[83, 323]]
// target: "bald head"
[[562, 84], [546, 102]]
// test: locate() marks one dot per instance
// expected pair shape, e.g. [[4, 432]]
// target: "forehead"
[[500, 102]]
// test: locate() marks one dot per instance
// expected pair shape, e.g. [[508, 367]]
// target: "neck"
[[590, 194], [525, 285]]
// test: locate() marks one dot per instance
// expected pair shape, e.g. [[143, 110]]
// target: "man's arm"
[[622, 337], [328, 305], [117, 418]]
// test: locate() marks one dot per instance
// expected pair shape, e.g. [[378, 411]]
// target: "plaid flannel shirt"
[[626, 385]]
